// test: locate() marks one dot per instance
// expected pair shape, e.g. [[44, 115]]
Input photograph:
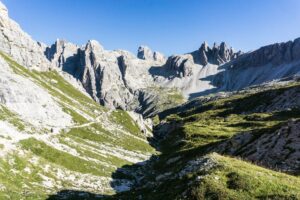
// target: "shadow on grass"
[[139, 174], [176, 144]]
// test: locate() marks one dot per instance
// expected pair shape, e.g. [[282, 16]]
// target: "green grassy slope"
[[98, 153], [192, 134], [80, 157]]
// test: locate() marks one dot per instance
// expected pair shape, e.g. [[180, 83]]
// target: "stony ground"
[[78, 148]]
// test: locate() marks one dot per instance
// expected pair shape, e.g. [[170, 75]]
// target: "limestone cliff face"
[[119, 79], [63, 55], [275, 54], [269, 63], [113, 78], [18, 44], [181, 65], [145, 53], [218, 54]]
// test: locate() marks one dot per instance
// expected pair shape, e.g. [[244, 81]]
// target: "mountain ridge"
[[82, 122]]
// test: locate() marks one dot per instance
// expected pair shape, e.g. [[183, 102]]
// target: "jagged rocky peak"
[[157, 56], [145, 53], [19, 45], [94, 45], [181, 64], [3, 10], [218, 54], [57, 47], [61, 52], [275, 54]]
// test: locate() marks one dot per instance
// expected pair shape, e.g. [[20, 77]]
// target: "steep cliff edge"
[[18, 44]]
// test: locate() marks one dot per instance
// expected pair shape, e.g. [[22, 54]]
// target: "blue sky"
[[169, 26]]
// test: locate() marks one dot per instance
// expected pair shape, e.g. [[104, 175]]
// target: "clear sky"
[[169, 26]]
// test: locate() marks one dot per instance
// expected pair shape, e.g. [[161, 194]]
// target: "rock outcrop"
[[269, 63], [145, 53], [118, 79], [157, 56], [112, 78], [18, 44], [63, 55], [275, 54], [181, 64], [277, 150], [31, 102], [218, 54]]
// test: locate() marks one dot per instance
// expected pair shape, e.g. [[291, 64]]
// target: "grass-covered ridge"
[[230, 178], [162, 99], [237, 179], [221, 119], [195, 131]]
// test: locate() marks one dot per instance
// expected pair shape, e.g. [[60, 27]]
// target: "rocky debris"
[[145, 125], [275, 54], [201, 164], [277, 150], [218, 54], [287, 100], [31, 102], [182, 65], [173, 160], [16, 43]]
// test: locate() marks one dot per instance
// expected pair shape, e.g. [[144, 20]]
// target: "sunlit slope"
[[43, 159], [256, 134]]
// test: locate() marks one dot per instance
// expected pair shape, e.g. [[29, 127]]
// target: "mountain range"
[[82, 122]]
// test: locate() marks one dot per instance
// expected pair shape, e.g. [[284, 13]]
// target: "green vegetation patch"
[[18, 183], [122, 118], [221, 119], [64, 92], [64, 159], [237, 179], [12, 118], [96, 133]]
